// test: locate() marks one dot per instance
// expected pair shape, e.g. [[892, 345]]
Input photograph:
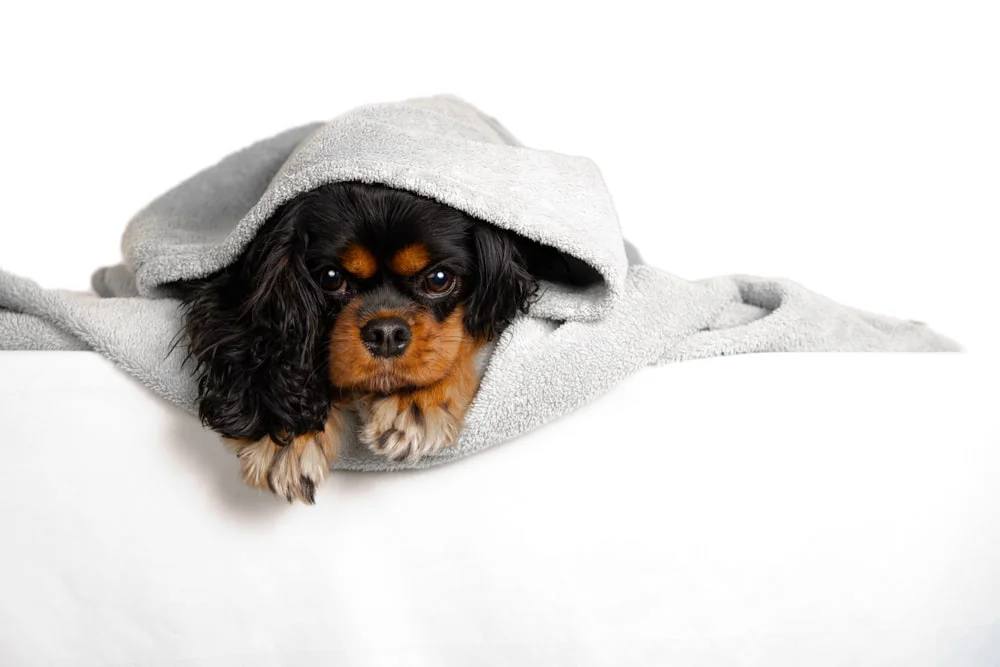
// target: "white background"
[[852, 146]]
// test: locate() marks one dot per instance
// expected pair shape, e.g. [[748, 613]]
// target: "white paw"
[[404, 429], [292, 471]]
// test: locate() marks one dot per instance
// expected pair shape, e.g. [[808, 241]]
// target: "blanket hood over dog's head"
[[439, 147]]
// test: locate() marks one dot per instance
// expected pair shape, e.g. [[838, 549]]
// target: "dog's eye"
[[439, 282], [332, 280]]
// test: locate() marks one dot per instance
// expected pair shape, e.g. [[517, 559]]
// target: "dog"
[[357, 307]]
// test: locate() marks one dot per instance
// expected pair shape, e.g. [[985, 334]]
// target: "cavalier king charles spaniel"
[[358, 308]]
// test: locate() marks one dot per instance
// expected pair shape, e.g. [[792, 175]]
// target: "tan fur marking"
[[358, 261], [410, 260]]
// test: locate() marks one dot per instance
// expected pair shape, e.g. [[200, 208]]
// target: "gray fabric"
[[115, 280], [19, 331], [574, 345]]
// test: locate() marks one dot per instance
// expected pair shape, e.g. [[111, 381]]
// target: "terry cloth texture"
[[574, 344]]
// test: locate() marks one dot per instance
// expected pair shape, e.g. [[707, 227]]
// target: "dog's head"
[[355, 288], [410, 284]]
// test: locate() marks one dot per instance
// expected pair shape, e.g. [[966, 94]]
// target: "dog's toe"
[[256, 458]]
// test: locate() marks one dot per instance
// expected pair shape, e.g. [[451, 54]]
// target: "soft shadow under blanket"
[[575, 344]]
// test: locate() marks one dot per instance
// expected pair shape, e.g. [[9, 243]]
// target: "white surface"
[[764, 510], [849, 145]]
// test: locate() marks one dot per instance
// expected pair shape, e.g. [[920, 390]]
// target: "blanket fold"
[[574, 344]]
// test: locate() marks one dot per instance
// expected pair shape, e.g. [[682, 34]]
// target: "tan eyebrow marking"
[[411, 259], [358, 261]]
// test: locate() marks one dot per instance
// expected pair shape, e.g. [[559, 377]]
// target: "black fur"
[[504, 286], [258, 331]]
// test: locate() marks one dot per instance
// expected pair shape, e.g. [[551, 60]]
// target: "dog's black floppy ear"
[[509, 268], [255, 331], [504, 286]]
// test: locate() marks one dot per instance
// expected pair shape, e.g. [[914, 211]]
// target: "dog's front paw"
[[408, 427], [291, 471]]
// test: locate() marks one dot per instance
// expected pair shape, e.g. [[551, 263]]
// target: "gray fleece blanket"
[[575, 343]]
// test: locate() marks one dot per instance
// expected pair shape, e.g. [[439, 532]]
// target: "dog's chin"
[[388, 379], [365, 374]]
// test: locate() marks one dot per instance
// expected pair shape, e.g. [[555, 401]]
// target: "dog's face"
[[347, 288], [400, 276]]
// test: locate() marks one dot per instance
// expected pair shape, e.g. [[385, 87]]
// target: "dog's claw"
[[308, 490]]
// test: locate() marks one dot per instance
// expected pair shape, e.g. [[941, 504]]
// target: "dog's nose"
[[386, 336]]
